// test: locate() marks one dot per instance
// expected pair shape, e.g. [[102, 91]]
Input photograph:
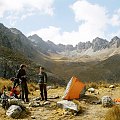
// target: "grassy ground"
[[89, 110], [5, 82]]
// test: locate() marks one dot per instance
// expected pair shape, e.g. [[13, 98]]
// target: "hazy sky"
[[63, 21]]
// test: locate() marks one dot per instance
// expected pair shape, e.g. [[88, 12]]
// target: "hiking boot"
[[27, 100]]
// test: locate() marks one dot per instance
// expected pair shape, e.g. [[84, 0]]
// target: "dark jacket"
[[21, 75], [42, 78]]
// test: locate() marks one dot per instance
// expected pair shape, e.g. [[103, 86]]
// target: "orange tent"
[[75, 89]]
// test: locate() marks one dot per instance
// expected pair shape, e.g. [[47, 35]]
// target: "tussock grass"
[[100, 84], [113, 113], [80, 108], [92, 85], [33, 87], [5, 82], [103, 84]]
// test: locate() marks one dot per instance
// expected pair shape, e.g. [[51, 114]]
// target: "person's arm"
[[45, 76], [18, 75]]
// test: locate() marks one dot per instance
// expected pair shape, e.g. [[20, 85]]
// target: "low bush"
[[113, 113]]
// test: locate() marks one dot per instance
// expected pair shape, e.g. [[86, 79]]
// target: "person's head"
[[22, 66], [41, 69]]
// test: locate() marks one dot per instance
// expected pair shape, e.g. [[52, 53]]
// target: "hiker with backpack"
[[43, 84], [15, 90], [21, 75]]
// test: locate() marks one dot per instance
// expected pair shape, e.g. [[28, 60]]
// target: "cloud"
[[24, 8], [94, 19], [115, 20], [50, 33], [92, 22]]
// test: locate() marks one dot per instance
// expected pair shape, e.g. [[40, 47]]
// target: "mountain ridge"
[[86, 64], [97, 45]]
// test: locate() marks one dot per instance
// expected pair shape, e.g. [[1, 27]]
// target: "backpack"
[[4, 101]]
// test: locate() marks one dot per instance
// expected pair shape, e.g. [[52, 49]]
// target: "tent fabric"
[[117, 100], [74, 90]]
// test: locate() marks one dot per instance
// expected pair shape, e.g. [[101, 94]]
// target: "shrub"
[[113, 113], [9, 88], [92, 85], [32, 87]]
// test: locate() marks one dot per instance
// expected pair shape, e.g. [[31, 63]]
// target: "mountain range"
[[82, 49], [97, 44], [90, 61]]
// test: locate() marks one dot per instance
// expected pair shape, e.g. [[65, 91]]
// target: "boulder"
[[112, 86], [51, 87], [16, 101], [46, 103], [36, 99], [107, 101], [34, 104], [54, 97], [91, 90], [33, 117], [14, 111], [65, 104]]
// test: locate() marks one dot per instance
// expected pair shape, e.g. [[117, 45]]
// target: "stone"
[[33, 117], [107, 101], [34, 104], [46, 103], [65, 104], [16, 101], [112, 86], [91, 90], [36, 99], [14, 111]]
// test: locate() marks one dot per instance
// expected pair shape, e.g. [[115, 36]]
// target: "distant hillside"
[[18, 42], [10, 61], [91, 61], [15, 41], [107, 70], [16, 49]]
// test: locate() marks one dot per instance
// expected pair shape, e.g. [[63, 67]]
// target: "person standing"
[[43, 83], [21, 75]]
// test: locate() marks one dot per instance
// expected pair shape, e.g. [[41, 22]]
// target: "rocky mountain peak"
[[53, 47], [98, 40], [35, 38], [115, 42], [50, 42], [84, 45], [15, 31], [1, 25], [99, 44], [115, 38]]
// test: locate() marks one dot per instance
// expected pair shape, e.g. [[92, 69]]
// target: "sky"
[[63, 21]]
